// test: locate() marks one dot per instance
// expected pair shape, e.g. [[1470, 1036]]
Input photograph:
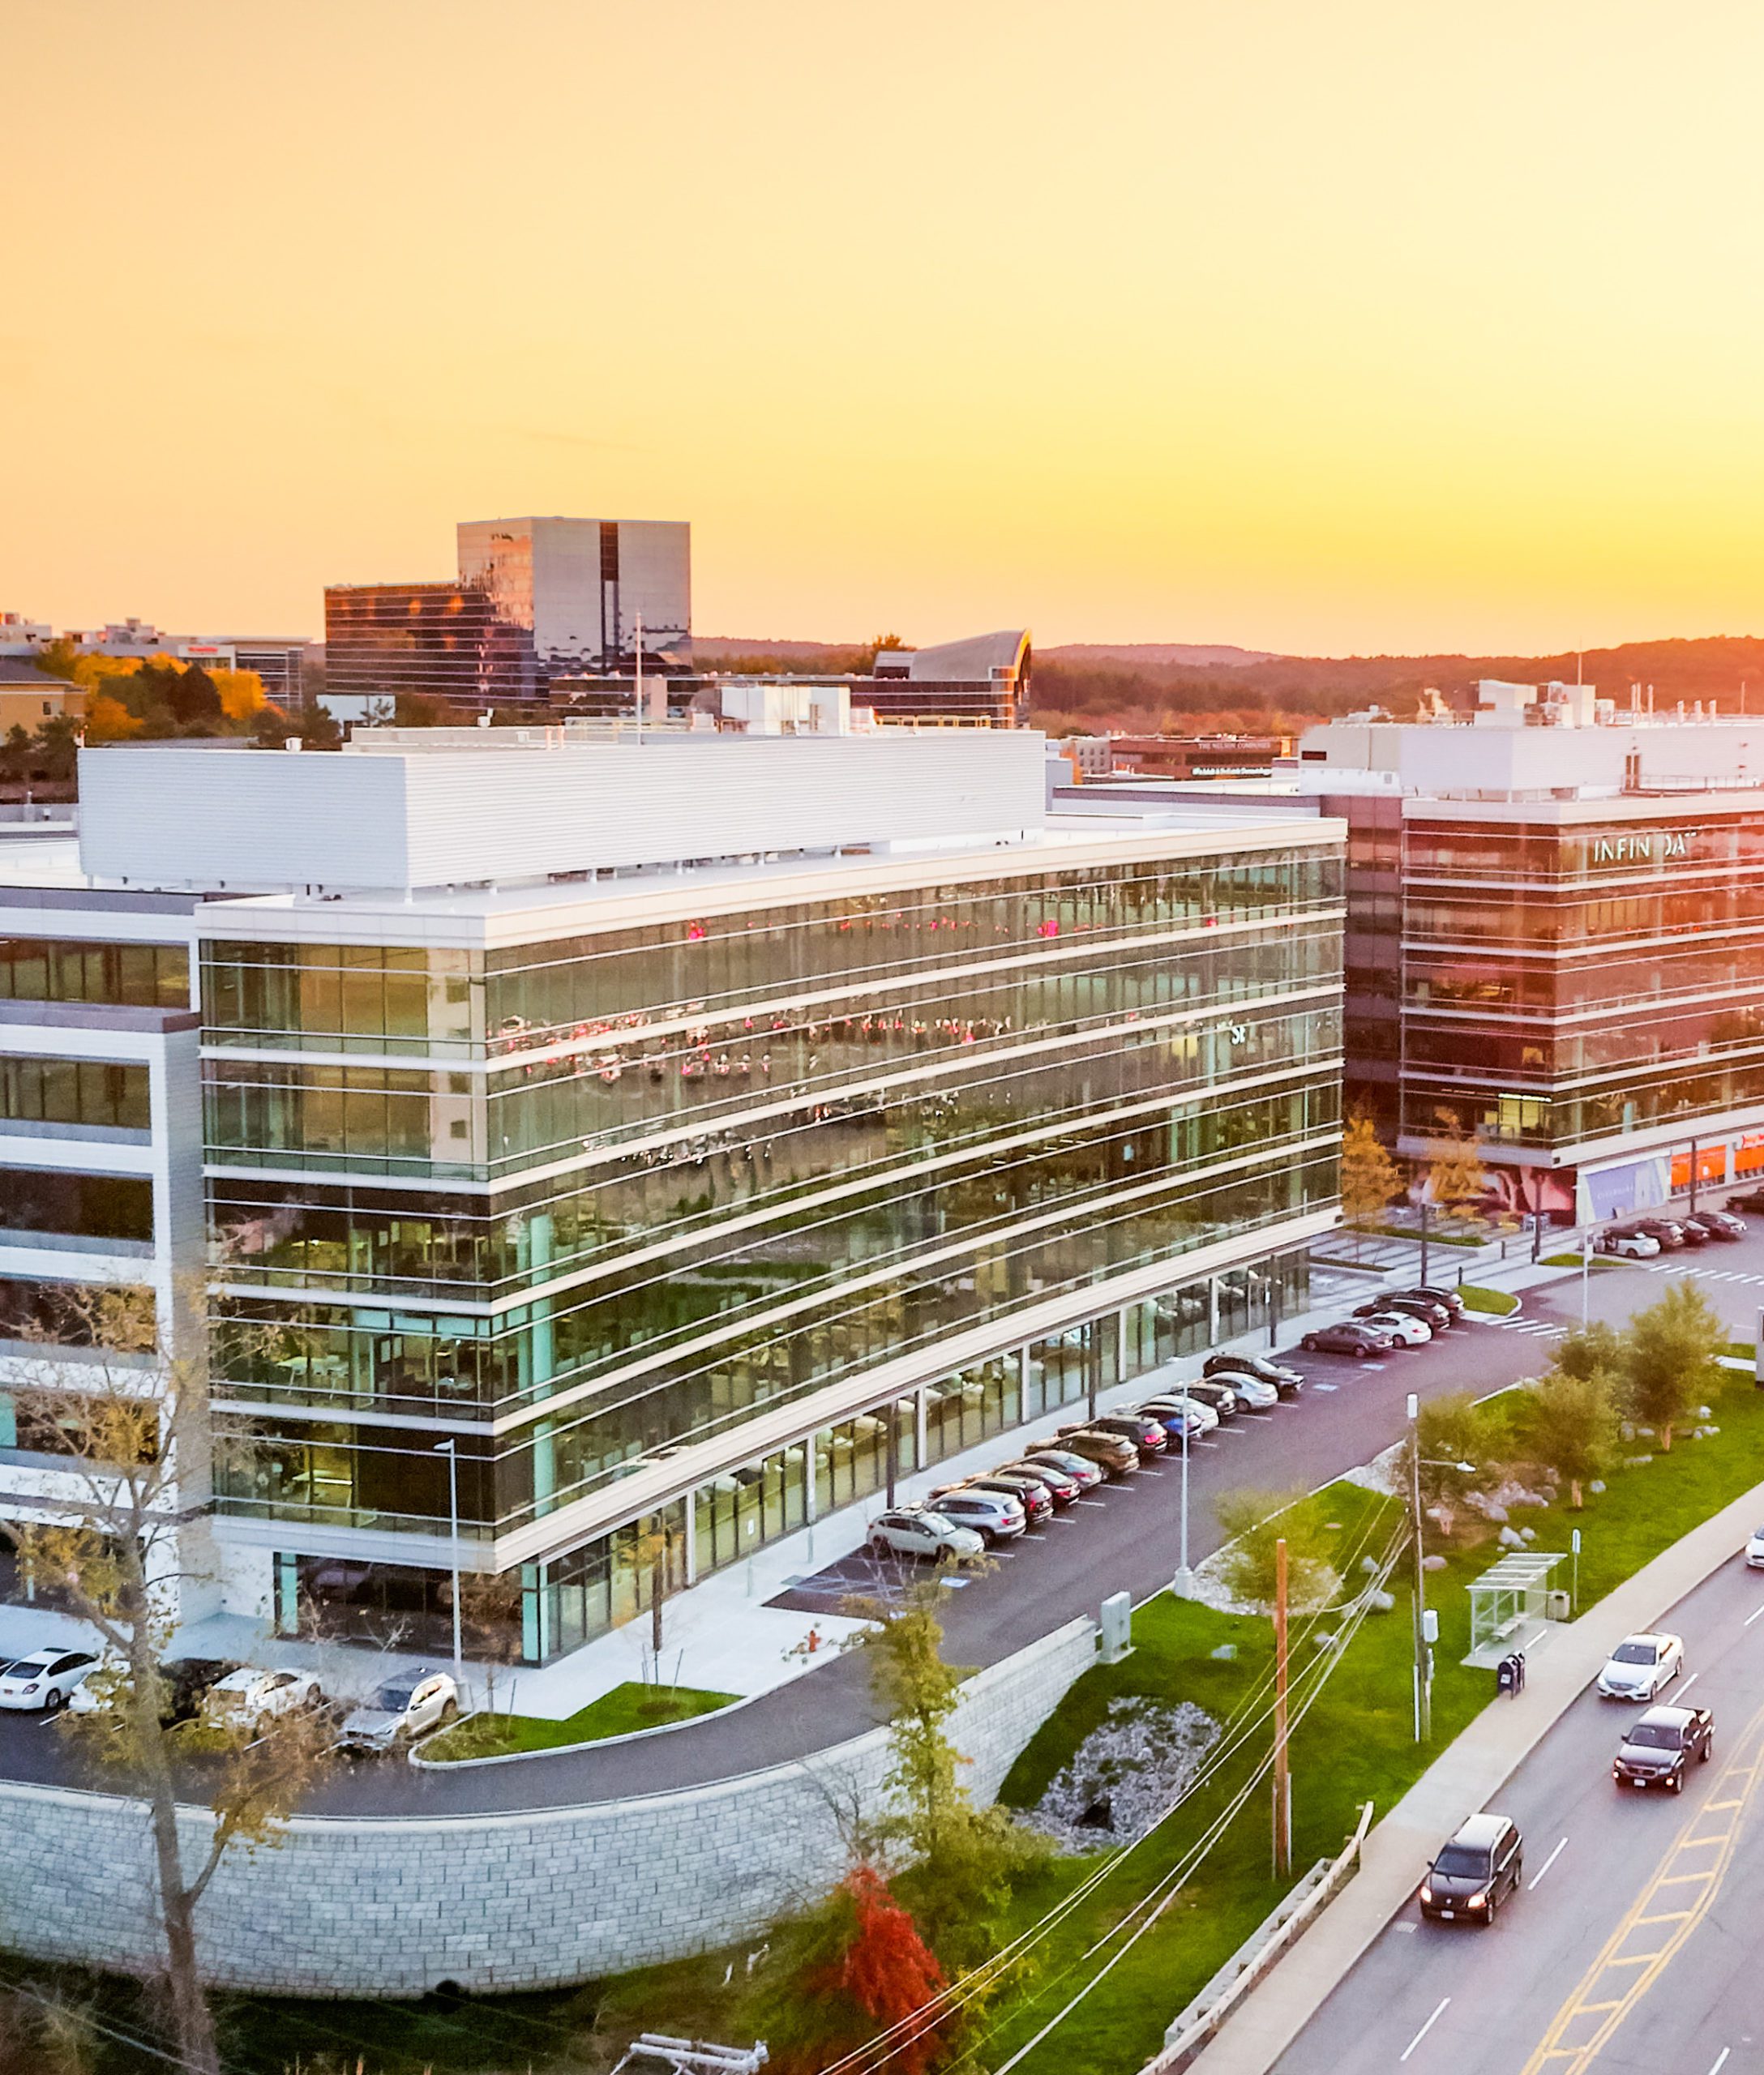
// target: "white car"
[[47, 1678], [1405, 1330], [410, 1704], [1629, 1246], [1247, 1388], [910, 1532], [1754, 1550], [1641, 1666], [252, 1697]]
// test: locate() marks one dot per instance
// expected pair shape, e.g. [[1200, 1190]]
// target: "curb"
[[1476, 1764]]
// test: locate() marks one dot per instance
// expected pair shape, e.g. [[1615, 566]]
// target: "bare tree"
[[131, 1420]]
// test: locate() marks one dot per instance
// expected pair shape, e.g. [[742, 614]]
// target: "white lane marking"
[[1751, 1618], [1545, 1867], [1087, 1502], [1721, 2060], [1322, 1387], [1685, 1687], [1421, 2035]]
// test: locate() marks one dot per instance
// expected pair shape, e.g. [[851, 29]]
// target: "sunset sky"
[[1344, 328]]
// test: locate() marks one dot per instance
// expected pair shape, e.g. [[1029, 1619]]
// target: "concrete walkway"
[[1466, 1775]]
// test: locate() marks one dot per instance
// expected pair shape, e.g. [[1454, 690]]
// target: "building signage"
[[1644, 849]]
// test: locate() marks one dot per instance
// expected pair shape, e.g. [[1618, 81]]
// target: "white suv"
[[1629, 1246], [992, 1514], [906, 1532]]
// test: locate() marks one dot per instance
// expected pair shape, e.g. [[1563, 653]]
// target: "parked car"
[[409, 1704], [1147, 1435], [250, 1697], [1754, 1550], [1288, 1382], [1084, 1472], [1213, 1391], [994, 1515], [1060, 1485], [1439, 1293], [1718, 1225], [1667, 1231], [1428, 1309], [1181, 1415], [1404, 1329], [1037, 1501], [1748, 1199], [1639, 1665], [1347, 1336], [1655, 1750], [1475, 1872], [187, 1680], [1115, 1455], [1628, 1246], [46, 1679], [1252, 1393], [922, 1531]]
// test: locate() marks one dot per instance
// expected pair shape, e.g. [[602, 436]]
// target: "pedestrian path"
[[1703, 1274], [1534, 1328]]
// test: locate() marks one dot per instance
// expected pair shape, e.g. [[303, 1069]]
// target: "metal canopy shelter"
[[1509, 1603]]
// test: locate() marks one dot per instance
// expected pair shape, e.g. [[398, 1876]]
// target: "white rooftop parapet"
[[173, 817]]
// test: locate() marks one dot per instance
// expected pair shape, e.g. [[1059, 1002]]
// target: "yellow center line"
[[1584, 2001]]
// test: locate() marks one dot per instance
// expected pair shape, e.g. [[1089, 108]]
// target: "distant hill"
[[1224, 656]]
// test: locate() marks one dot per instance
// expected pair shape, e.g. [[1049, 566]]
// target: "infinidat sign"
[[1643, 849]]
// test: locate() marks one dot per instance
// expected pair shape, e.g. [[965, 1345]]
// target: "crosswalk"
[[1702, 1274], [1534, 1328]]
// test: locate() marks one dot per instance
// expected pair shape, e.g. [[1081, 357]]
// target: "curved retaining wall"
[[540, 1900]]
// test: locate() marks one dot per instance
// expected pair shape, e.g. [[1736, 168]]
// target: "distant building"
[[19, 636], [537, 601], [279, 661], [28, 698], [984, 679]]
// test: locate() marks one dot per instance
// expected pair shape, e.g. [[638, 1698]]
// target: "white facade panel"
[[340, 823]]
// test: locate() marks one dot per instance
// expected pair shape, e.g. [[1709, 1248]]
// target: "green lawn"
[[626, 1708], [1498, 1302]]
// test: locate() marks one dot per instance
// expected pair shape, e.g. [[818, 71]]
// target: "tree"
[[1593, 1350], [853, 1967], [107, 720], [1669, 1359], [1573, 1427], [60, 659], [195, 699], [1456, 1178], [1462, 1447], [1253, 1523], [135, 1434], [1370, 1178]]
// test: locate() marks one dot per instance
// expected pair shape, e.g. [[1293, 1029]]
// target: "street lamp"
[[447, 1449]]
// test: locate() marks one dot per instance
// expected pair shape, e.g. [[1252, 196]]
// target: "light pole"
[[1586, 1274], [1425, 1207], [1423, 1699], [448, 1448]]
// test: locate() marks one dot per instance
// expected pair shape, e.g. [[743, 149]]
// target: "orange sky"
[[1361, 326]]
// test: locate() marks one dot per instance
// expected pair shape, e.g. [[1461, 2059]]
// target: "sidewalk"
[[1459, 1782]]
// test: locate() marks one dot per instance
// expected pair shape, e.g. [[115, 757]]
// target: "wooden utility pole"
[[1282, 1776]]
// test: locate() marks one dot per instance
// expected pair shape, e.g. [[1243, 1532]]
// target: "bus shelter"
[[1510, 1603]]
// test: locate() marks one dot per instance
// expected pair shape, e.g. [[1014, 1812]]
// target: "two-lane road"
[[1634, 1944]]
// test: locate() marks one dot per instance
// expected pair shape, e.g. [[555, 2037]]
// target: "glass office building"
[[692, 1208]]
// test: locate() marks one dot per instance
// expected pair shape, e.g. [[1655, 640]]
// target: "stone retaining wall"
[[539, 1900]]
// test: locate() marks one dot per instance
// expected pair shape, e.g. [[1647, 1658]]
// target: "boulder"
[[1509, 1537], [1380, 1602], [1433, 1563], [1226, 1653], [1596, 1486]]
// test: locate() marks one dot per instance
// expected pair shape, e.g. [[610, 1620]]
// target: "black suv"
[[1288, 1382], [1656, 1750], [1476, 1873], [1437, 1293]]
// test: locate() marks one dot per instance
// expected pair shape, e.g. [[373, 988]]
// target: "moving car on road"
[[1627, 1246], [1754, 1550], [409, 1705], [1287, 1382], [1404, 1329], [249, 1697], [920, 1531], [1108, 1450], [1641, 1666], [1656, 1750], [1476, 1873], [46, 1679], [1347, 1336]]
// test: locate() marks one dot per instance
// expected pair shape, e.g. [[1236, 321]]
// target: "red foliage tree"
[[873, 1971]]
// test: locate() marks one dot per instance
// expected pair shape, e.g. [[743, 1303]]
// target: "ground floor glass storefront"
[[565, 1602]]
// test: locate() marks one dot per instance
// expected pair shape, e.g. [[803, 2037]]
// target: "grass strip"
[[631, 1706]]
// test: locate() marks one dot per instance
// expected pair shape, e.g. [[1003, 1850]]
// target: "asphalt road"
[[1633, 1944], [1129, 1539]]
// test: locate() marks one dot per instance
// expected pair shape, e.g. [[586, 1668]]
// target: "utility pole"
[[1424, 1208], [1694, 1178], [1586, 1272], [639, 680], [1423, 1725], [1282, 1772]]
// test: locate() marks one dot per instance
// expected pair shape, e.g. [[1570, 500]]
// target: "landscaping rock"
[[1380, 1602], [1226, 1653], [1433, 1563], [1491, 1510], [1635, 1462], [1369, 1565], [1596, 1486], [1126, 1773], [1509, 1537], [1528, 1534]]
